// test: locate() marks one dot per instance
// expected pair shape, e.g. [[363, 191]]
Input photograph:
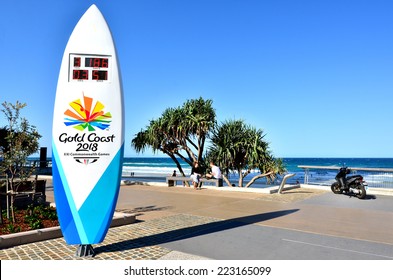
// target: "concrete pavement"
[[182, 223]]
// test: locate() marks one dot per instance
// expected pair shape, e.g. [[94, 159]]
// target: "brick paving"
[[138, 241]]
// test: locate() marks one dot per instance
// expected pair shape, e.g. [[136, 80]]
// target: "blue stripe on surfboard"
[[97, 210], [90, 224], [63, 204]]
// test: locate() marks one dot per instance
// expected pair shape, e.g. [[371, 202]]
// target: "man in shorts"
[[215, 172]]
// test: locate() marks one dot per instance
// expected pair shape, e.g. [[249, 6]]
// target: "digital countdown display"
[[93, 68]]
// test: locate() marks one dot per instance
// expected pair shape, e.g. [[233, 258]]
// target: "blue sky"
[[316, 76]]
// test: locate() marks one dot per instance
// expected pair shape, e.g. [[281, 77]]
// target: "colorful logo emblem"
[[87, 160], [85, 115]]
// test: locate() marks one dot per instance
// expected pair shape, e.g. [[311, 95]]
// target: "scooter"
[[351, 184]]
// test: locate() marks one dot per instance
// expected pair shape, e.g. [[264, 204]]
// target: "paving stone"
[[138, 241]]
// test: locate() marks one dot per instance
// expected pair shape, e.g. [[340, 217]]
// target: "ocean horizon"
[[155, 169], [165, 165]]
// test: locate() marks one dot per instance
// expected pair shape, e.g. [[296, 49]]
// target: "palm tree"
[[180, 132], [237, 147]]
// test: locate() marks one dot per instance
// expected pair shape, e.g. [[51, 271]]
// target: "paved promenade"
[[182, 223]]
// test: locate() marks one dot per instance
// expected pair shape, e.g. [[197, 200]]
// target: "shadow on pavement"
[[190, 232], [138, 211], [367, 197]]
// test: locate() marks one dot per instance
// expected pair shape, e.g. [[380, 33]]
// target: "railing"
[[39, 163], [324, 175], [40, 167], [313, 175]]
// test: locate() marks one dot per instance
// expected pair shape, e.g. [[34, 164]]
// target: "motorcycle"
[[351, 184]]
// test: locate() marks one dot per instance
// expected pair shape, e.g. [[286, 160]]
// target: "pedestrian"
[[196, 175]]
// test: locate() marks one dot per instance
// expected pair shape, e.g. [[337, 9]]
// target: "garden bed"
[[30, 218]]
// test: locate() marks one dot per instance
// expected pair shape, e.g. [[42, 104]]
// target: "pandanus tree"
[[180, 132], [240, 148]]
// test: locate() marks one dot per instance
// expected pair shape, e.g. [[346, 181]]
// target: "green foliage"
[[20, 141], [180, 132], [46, 212], [38, 213], [34, 222], [11, 228], [42, 211], [238, 147]]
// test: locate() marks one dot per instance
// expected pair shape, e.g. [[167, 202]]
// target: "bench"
[[31, 191], [284, 180], [171, 180]]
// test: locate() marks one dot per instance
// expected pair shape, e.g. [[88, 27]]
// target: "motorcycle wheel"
[[336, 188], [361, 191]]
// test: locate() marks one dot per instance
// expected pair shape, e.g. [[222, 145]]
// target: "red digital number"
[[100, 75], [80, 74], [77, 62], [95, 75], [104, 63], [96, 62]]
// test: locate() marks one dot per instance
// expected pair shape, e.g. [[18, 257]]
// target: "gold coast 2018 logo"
[[86, 146], [85, 115]]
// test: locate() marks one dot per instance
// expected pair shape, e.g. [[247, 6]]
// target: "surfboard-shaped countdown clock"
[[88, 133]]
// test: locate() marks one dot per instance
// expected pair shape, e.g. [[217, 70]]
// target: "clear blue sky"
[[316, 76]]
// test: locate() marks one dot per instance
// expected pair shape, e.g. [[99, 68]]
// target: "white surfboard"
[[88, 132]]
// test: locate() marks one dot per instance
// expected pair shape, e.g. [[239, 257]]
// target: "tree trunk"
[[240, 178], [257, 177], [178, 166], [226, 180], [12, 189], [12, 208]]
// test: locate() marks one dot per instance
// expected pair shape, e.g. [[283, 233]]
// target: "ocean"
[[157, 168]]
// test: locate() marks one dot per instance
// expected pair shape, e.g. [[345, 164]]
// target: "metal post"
[[6, 196], [85, 250], [306, 176], [43, 162]]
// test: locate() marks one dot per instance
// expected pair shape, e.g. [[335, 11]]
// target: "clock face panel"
[[89, 68]]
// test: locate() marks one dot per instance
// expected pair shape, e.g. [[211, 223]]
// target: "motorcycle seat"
[[354, 176]]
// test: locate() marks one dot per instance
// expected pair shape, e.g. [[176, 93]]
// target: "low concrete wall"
[[15, 239], [374, 191]]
